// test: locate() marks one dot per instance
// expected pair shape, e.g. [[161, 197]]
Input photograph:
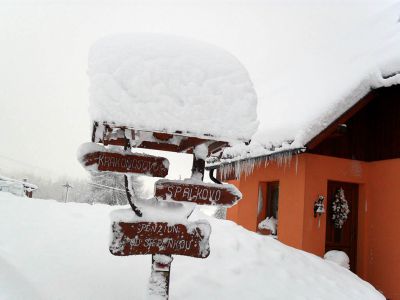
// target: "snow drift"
[[51, 250]]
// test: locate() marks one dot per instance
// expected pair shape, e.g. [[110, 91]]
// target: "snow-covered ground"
[[51, 250]]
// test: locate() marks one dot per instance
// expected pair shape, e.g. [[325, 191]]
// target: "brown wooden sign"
[[126, 163], [161, 238], [197, 192]]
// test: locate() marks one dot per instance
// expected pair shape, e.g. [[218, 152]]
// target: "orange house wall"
[[384, 238], [291, 195], [319, 170], [378, 241]]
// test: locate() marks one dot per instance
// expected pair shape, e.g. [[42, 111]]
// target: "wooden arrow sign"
[[197, 192], [138, 238], [103, 160]]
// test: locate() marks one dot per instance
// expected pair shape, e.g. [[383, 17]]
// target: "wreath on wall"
[[340, 209]]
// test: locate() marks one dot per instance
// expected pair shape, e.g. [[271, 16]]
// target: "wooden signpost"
[[161, 239], [197, 192]]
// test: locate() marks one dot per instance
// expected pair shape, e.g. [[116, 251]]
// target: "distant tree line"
[[105, 188]]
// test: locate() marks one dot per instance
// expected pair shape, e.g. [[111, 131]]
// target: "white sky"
[[43, 61]]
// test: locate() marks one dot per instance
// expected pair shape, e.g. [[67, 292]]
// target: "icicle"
[[247, 166]]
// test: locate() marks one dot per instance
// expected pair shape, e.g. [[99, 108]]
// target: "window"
[[268, 197]]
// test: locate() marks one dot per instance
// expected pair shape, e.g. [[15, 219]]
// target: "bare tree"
[[109, 188]]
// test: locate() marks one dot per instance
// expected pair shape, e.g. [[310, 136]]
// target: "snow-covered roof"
[[339, 58], [27, 185], [160, 82]]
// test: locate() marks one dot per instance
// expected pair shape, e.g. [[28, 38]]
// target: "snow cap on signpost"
[[166, 83]]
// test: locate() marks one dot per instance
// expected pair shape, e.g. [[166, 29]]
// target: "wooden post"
[[159, 279], [198, 167]]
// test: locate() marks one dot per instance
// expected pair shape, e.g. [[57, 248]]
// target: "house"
[[17, 187], [358, 154], [329, 135]]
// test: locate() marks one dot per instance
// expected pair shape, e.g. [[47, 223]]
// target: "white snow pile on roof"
[[52, 250], [167, 83], [324, 57]]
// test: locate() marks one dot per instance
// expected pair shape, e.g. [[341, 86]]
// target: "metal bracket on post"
[[160, 273], [213, 178], [135, 209]]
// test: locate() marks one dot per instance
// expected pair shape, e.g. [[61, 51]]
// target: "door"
[[344, 238], [268, 197]]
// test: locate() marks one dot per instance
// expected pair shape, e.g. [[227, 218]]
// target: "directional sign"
[[197, 192], [138, 238], [126, 163]]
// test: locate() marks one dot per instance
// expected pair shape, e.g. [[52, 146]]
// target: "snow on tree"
[[220, 212], [109, 188]]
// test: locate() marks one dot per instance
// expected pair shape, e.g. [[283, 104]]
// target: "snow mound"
[[60, 251], [338, 257], [13, 285], [167, 83], [269, 223]]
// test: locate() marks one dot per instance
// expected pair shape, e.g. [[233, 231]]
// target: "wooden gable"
[[369, 131]]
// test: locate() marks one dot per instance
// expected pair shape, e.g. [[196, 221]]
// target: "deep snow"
[[51, 250]]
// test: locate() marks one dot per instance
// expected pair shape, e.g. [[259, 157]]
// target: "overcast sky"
[[43, 61]]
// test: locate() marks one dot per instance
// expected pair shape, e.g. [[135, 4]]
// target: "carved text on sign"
[[199, 193], [161, 238], [127, 163]]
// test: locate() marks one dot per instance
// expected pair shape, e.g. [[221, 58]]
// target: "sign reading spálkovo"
[[197, 192]]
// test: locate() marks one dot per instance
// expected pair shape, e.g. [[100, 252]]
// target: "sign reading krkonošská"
[[126, 163]]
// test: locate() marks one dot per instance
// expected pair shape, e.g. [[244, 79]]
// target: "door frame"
[[354, 210]]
